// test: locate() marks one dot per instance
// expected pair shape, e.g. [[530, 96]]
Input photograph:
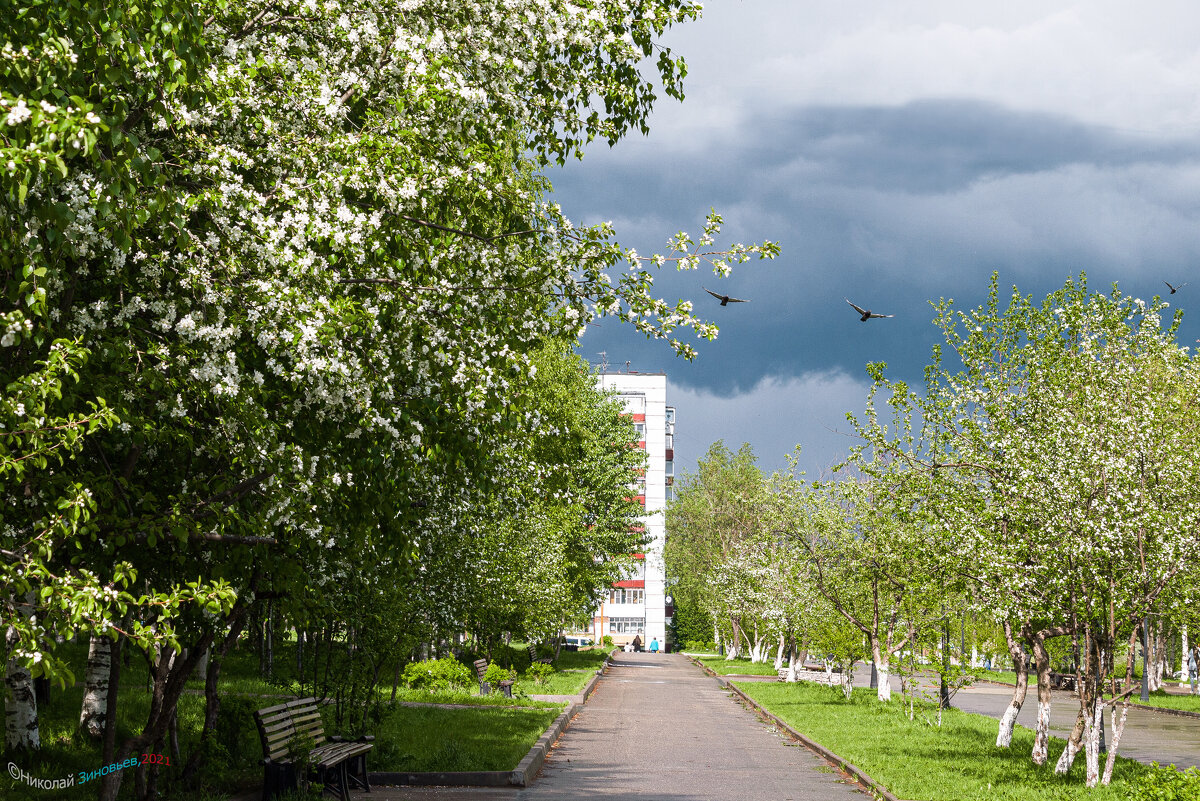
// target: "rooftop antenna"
[[627, 367], [604, 361]]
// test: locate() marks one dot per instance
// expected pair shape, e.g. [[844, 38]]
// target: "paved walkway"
[[658, 729]]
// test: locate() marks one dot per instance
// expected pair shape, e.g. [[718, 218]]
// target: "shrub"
[[607, 641], [539, 672], [496, 674], [700, 646], [436, 674], [1166, 784]]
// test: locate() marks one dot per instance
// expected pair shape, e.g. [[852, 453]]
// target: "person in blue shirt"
[[654, 646]]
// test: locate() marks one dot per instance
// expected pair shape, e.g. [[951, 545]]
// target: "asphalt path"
[[658, 729]]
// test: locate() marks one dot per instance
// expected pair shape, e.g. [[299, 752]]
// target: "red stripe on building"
[[639, 418], [637, 584]]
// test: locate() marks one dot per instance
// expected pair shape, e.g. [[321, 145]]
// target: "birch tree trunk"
[[779, 652], [95, 694], [1009, 719], [20, 704]]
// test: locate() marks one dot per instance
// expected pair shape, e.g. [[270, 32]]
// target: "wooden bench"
[[286, 730], [1062, 681], [481, 667], [534, 658]]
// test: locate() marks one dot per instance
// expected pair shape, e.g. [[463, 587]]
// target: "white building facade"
[[636, 605]]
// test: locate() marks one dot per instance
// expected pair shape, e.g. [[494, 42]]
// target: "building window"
[[670, 469], [670, 493], [670, 441], [671, 415], [626, 625], [626, 595], [641, 430]]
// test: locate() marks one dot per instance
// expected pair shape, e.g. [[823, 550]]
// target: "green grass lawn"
[[744, 667], [919, 761], [465, 695], [562, 682], [430, 739]]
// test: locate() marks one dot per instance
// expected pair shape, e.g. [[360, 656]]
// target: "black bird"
[[1175, 289], [867, 314], [725, 299]]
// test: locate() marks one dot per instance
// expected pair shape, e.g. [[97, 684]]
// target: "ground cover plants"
[[920, 761]]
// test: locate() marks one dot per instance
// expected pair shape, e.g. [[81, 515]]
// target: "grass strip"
[[918, 760], [428, 739], [743, 667]]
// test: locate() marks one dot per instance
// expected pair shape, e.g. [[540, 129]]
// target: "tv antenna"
[[604, 361]]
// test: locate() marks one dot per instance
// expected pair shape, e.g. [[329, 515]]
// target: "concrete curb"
[[859, 775], [1182, 713], [521, 776]]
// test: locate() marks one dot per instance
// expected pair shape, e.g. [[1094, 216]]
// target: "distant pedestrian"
[[637, 643], [654, 646], [987, 662], [1193, 666]]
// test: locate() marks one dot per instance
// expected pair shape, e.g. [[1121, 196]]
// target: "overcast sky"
[[900, 153]]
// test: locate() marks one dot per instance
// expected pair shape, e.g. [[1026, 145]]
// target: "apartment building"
[[636, 604]]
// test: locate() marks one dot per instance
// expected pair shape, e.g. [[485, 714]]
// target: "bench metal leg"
[[359, 775]]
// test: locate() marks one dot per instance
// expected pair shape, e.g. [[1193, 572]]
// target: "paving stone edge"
[[862, 777], [520, 776]]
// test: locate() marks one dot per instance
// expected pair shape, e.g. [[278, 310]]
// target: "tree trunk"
[[95, 694], [779, 652], [1118, 728], [108, 750], [1074, 742], [733, 647], [1041, 736], [1009, 719], [212, 701], [21, 731], [794, 662], [1092, 743], [884, 691]]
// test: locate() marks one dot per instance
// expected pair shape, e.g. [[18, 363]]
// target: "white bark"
[[1007, 721], [1117, 729], [1041, 737], [793, 664], [20, 705], [1183, 663], [975, 656], [95, 682], [884, 691], [1067, 758], [1091, 744], [779, 653]]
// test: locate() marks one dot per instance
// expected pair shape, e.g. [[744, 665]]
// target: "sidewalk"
[[658, 729]]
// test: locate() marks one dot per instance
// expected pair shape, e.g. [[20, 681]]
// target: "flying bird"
[[725, 299], [1175, 289], [867, 314]]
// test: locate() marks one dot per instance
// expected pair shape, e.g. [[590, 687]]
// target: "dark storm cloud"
[[891, 207]]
